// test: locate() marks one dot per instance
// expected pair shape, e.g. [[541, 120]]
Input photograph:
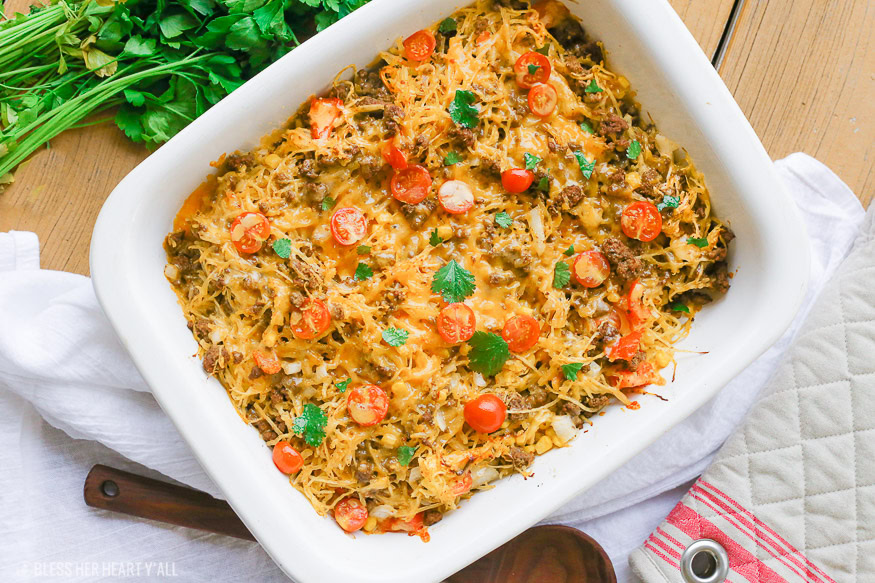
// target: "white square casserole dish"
[[676, 84]]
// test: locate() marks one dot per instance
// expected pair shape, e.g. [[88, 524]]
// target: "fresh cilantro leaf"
[[585, 165], [593, 87], [561, 275], [503, 219], [533, 69], [570, 370], [697, 241], [668, 202], [531, 161], [488, 353], [343, 385], [634, 150], [328, 203], [585, 126], [363, 249], [363, 272], [462, 111], [452, 158], [138, 46], [544, 50], [395, 336], [434, 239], [453, 282], [447, 25], [176, 23], [569, 252], [405, 454], [311, 424], [544, 183], [283, 248], [679, 307]]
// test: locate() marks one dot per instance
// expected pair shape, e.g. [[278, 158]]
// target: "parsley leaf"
[[585, 126], [363, 272], [343, 385], [570, 370], [561, 275], [461, 110], [363, 249], [452, 158], [593, 87], [405, 454], [569, 252], [544, 183], [531, 161], [488, 353], [544, 50], [533, 69], [447, 25], [395, 336], [283, 248], [328, 203], [668, 202], [585, 165], [503, 219], [311, 424], [434, 239], [697, 241], [679, 307], [634, 150], [453, 282]]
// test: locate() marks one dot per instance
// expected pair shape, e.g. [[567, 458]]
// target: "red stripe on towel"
[[659, 554]]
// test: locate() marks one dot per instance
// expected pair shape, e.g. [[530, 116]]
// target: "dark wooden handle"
[[112, 489]]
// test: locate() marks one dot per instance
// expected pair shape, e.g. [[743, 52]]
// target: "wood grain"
[[804, 74], [706, 19]]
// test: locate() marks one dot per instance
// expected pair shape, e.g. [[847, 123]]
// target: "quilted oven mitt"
[[791, 495]]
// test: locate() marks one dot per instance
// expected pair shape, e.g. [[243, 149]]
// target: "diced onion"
[[291, 367], [215, 336], [564, 427], [483, 476], [171, 272], [665, 146], [479, 380], [439, 419], [594, 369], [382, 512], [537, 226], [415, 475]]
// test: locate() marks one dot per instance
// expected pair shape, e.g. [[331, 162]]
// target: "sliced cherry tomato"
[[517, 180], [482, 37], [315, 320], [456, 323], [591, 269], [419, 46], [323, 113], [532, 68], [394, 157], [635, 309], [348, 225], [462, 485], [413, 525], [249, 231], [367, 405], [645, 375], [411, 184], [543, 99], [350, 514], [521, 333], [456, 197], [286, 458], [268, 363], [641, 220], [485, 413], [550, 12], [625, 347]]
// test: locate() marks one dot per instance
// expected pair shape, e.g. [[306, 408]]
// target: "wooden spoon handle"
[[112, 489]]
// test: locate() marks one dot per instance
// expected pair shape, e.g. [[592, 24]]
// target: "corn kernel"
[[272, 160], [391, 440], [613, 297], [521, 439], [633, 179], [663, 359], [544, 445], [445, 232], [370, 523], [557, 442]]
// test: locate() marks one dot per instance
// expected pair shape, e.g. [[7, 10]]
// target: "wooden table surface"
[[803, 72]]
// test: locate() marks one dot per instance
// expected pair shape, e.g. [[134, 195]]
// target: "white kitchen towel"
[[60, 362]]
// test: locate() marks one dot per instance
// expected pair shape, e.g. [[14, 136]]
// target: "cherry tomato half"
[[367, 405], [315, 320], [455, 197], [543, 99], [641, 220], [625, 347], [411, 184], [485, 413], [521, 333], [249, 232], [635, 309], [456, 323], [419, 46], [267, 362], [591, 269], [517, 180], [394, 157], [532, 68], [462, 485], [348, 225], [286, 458], [413, 525], [350, 514], [550, 12], [323, 113], [645, 375]]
